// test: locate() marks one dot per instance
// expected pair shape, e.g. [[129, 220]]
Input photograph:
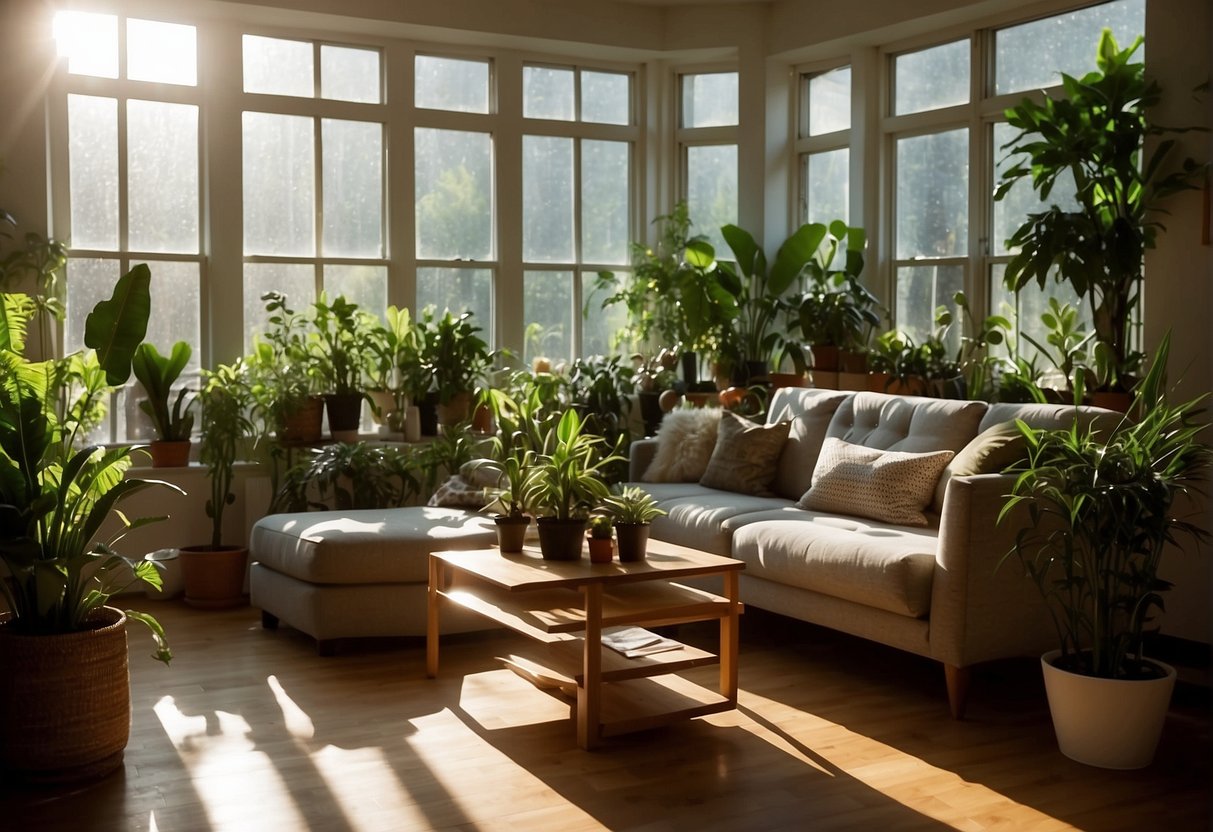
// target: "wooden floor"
[[250, 730]]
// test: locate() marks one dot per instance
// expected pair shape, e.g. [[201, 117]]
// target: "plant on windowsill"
[[1100, 511], [457, 359], [633, 510], [393, 359], [157, 373], [282, 378], [339, 343]]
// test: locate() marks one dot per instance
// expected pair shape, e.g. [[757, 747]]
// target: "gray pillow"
[[746, 456]]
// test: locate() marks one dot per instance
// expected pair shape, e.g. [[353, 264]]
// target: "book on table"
[[636, 641]]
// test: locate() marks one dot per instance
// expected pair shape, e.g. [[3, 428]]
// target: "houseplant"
[[350, 475], [633, 509], [214, 572], [339, 341], [66, 713], [393, 363], [1094, 135], [511, 457], [455, 356], [602, 550], [1100, 512], [282, 376], [157, 373]]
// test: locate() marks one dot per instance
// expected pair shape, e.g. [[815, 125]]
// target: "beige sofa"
[[938, 591]]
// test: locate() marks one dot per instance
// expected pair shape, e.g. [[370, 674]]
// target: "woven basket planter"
[[65, 701]]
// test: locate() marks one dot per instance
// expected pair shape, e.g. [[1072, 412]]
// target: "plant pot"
[[165, 454], [878, 382], [1112, 400], [428, 413], [756, 372], [633, 541], [511, 532], [823, 379], [650, 411], [850, 361], [825, 357], [345, 415], [560, 539], [65, 705], [786, 380], [482, 420], [690, 368], [702, 399], [1109, 723], [602, 550], [908, 386], [214, 578], [457, 409], [852, 381], [383, 406], [303, 424]]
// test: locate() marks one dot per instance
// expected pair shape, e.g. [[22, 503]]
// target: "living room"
[[643, 104]]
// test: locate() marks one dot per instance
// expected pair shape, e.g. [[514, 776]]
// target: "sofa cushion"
[[891, 486], [745, 456], [808, 428], [990, 452], [883, 566], [685, 442], [906, 423], [701, 521]]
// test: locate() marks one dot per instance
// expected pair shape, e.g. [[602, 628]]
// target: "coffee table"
[[563, 607]]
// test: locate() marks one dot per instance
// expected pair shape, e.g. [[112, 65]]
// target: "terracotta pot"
[[850, 361], [825, 357], [65, 712], [786, 380], [456, 410], [511, 532], [633, 541], [482, 420], [879, 382], [345, 415], [909, 386], [602, 550], [852, 381], [1112, 400], [214, 578], [303, 424], [560, 539], [165, 454]]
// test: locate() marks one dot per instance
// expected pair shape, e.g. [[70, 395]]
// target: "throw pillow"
[[685, 442], [746, 455], [990, 452], [890, 486]]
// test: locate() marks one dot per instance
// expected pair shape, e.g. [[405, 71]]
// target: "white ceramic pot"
[[1109, 723]]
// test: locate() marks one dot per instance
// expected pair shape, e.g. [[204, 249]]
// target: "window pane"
[[922, 289], [348, 74], [278, 67], [932, 195], [459, 290], [166, 53], [830, 101], [454, 183], [89, 281], [295, 280], [547, 93], [604, 97], [279, 185], [450, 84], [547, 199], [1034, 55], [605, 174], [825, 185], [353, 188], [363, 285], [1012, 210], [709, 100], [162, 176], [89, 42], [598, 325], [547, 308], [92, 130], [176, 301], [932, 78], [712, 190], [1029, 306]]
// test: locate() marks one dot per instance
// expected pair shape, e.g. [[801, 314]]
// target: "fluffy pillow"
[[746, 456], [890, 486], [685, 442], [990, 452]]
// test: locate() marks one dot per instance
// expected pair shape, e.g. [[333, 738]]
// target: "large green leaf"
[[16, 310], [116, 327], [795, 253]]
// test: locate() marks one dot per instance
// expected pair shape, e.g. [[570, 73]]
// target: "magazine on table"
[[633, 642]]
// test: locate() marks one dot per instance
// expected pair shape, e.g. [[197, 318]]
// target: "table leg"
[[729, 626], [589, 692], [431, 618]]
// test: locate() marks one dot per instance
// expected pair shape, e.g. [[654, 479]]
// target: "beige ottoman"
[[356, 574]]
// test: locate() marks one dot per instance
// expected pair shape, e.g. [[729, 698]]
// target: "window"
[[576, 204], [823, 146], [130, 149], [707, 137]]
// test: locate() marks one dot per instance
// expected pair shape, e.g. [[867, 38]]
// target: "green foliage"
[[157, 373], [565, 479], [36, 263], [631, 504], [600, 527], [340, 341], [1100, 513], [226, 400], [279, 369], [350, 475], [453, 354], [835, 309]]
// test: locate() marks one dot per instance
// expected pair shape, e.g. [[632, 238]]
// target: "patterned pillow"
[[890, 486], [685, 442], [746, 456]]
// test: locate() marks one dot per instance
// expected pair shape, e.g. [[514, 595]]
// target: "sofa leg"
[[958, 688], [269, 621]]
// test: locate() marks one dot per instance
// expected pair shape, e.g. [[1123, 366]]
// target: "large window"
[[707, 139], [823, 149]]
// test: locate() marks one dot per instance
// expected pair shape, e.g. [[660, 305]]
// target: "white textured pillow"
[[685, 442], [890, 486]]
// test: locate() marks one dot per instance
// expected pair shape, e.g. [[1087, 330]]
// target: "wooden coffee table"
[[563, 606]]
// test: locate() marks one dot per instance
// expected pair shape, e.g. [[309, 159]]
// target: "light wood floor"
[[250, 730]]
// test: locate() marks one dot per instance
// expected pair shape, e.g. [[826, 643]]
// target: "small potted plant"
[[456, 358], [338, 343], [281, 376], [157, 373], [393, 351], [601, 548], [633, 509]]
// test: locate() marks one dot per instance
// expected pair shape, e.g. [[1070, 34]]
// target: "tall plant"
[[1094, 135], [226, 399]]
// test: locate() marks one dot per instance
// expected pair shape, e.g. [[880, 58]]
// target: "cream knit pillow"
[[890, 486], [685, 442]]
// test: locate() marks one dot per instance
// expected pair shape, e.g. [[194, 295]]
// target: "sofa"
[[934, 585]]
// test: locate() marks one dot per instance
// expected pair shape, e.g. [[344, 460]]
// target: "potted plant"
[[601, 548], [157, 373], [350, 475], [1100, 511], [1095, 135], [393, 358], [456, 358], [511, 458], [633, 509], [563, 485], [65, 695], [339, 340], [214, 573], [281, 376]]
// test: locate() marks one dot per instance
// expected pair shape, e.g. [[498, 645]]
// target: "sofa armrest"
[[983, 606], [640, 456]]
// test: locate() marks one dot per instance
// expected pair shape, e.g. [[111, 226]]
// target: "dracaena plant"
[[55, 495], [565, 480]]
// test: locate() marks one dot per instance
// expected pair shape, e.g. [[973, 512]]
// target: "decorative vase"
[[345, 413], [65, 713], [170, 454], [303, 424], [633, 541], [213, 578], [560, 539], [511, 532], [1109, 723], [602, 550]]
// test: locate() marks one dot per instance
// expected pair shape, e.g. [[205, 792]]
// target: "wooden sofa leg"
[[958, 688], [269, 621]]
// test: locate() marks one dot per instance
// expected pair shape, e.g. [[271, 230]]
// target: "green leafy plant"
[[631, 504], [226, 399], [55, 497], [1100, 513], [835, 309], [1067, 339], [31, 261], [157, 373], [340, 341], [350, 475], [565, 480], [452, 353], [600, 527], [280, 370]]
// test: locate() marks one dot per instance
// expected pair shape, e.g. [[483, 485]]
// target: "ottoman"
[[357, 574]]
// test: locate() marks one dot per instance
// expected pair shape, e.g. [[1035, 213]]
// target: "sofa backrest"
[[1049, 416], [907, 423], [810, 411]]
